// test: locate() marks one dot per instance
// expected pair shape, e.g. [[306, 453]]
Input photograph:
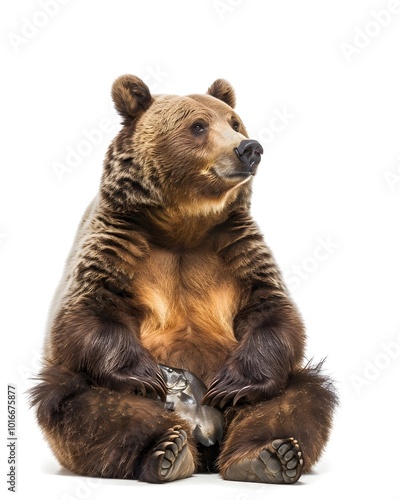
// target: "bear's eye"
[[198, 127], [236, 126]]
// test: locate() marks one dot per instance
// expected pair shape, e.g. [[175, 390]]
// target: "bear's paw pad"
[[171, 458], [279, 462]]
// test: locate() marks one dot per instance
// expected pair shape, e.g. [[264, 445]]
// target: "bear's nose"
[[249, 152]]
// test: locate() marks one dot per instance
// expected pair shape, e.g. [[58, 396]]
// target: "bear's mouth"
[[243, 174], [235, 175]]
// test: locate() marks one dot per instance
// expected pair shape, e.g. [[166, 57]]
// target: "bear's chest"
[[189, 304]]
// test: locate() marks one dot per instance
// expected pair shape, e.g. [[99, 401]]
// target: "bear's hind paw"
[[279, 462], [170, 459]]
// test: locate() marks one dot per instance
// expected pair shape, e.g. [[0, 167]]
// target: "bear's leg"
[[97, 432], [275, 441]]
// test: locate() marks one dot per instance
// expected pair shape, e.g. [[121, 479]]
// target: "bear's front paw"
[[229, 388], [146, 383], [151, 386]]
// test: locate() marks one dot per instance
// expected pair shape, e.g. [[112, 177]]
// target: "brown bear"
[[169, 269]]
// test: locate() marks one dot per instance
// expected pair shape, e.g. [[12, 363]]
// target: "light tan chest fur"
[[189, 304]]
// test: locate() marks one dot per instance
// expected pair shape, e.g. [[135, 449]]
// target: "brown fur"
[[168, 267]]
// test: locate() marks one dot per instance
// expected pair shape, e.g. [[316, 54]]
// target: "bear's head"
[[185, 153]]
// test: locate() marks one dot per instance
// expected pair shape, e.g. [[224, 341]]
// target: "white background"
[[328, 175]]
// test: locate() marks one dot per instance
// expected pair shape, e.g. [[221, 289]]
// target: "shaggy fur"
[[168, 267]]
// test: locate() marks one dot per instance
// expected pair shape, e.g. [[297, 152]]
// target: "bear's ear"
[[131, 96], [223, 90]]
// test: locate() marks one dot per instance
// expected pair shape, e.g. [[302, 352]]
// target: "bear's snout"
[[249, 153]]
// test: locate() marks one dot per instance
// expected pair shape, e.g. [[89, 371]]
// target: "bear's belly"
[[189, 305]]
